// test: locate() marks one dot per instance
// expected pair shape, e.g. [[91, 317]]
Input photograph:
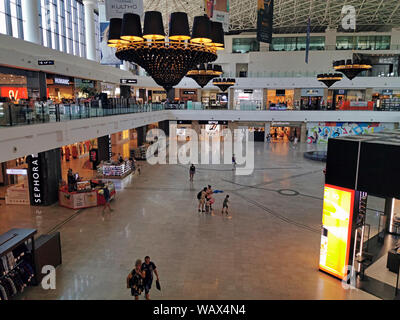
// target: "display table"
[[84, 199], [108, 170], [18, 194]]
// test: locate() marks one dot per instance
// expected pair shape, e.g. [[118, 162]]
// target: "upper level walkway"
[[48, 130]]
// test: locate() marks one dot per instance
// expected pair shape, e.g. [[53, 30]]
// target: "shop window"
[[244, 45], [297, 43], [363, 42]]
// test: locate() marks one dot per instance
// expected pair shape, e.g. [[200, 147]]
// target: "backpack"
[[199, 195]]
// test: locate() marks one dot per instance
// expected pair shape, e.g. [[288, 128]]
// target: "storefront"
[[60, 88], [312, 99], [386, 99], [285, 131], [18, 85], [280, 99], [213, 128], [112, 90], [157, 96], [14, 177], [248, 99], [182, 129], [214, 99], [338, 97], [188, 95]]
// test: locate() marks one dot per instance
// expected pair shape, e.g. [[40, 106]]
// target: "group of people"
[[206, 200], [141, 278]]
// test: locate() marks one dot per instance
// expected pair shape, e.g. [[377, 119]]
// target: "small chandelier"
[[166, 59], [202, 75], [224, 84], [329, 79], [351, 69]]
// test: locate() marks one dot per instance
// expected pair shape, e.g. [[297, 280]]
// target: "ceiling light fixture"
[[202, 75], [224, 84], [329, 79], [166, 59], [351, 69]]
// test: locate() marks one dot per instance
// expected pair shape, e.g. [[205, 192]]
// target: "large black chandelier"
[[351, 69], [202, 75], [224, 84], [166, 59], [329, 79]]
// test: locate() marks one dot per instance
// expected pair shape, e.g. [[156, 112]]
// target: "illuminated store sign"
[[63, 81], [336, 230], [22, 172], [14, 93], [214, 122], [46, 62], [35, 180]]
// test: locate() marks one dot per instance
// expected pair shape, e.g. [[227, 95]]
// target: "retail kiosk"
[[359, 167]]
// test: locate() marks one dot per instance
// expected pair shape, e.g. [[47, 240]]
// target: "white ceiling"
[[290, 16]]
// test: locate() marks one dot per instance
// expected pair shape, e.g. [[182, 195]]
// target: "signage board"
[[63, 81], [46, 62], [312, 92], [14, 93], [189, 92], [213, 122], [184, 122], [337, 220], [117, 8], [22, 172], [35, 179], [128, 81]]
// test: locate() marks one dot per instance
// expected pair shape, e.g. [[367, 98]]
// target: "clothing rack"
[[11, 240]]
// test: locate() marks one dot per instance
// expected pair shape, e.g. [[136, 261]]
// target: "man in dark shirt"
[[149, 267]]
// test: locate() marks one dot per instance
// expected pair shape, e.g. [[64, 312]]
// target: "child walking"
[[225, 205]]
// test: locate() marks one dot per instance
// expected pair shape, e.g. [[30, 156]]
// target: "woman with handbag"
[[135, 280]]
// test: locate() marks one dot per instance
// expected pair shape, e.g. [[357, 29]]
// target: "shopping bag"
[[158, 286]]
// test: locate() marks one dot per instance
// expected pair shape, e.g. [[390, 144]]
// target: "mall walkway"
[[267, 249]]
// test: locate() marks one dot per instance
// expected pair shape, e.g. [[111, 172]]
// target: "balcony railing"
[[19, 115], [22, 114]]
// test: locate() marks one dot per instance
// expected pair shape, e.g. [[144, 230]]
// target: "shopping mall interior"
[[288, 110]]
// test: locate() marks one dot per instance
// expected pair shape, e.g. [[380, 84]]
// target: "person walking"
[[192, 171], [225, 205], [135, 280], [149, 267], [233, 162], [106, 194], [202, 199]]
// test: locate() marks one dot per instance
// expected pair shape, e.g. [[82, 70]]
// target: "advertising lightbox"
[[336, 230]]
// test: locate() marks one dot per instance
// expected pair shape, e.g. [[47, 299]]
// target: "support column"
[[44, 176], [303, 135], [141, 135], [30, 16], [90, 6]]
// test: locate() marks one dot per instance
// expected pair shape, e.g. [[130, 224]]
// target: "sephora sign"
[[35, 180]]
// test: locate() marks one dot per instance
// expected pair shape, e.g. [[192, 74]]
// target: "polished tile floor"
[[268, 248]]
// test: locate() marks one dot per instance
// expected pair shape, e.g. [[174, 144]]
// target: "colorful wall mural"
[[320, 132]]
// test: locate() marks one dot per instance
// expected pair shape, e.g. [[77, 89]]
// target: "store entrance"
[[284, 134]]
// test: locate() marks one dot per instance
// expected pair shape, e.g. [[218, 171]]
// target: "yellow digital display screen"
[[336, 232]]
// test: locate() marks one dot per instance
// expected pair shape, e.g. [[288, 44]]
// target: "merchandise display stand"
[[17, 262], [108, 170], [91, 197]]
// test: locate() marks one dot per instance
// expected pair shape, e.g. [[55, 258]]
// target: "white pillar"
[[124, 66], [90, 27], [30, 16]]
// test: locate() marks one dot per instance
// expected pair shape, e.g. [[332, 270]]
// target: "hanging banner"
[[265, 17], [209, 7], [107, 53], [308, 39], [218, 11], [117, 8]]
